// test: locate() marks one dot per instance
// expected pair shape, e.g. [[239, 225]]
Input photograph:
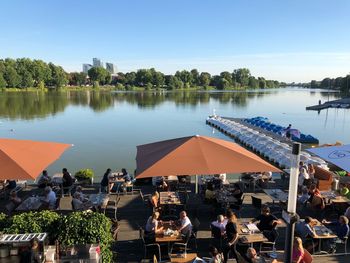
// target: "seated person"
[[264, 177], [216, 256], [50, 198], [45, 180], [237, 191], [153, 225], [304, 197], [267, 222], [304, 178], [252, 256], [105, 180], [306, 231], [155, 200], [79, 194], [78, 204], [209, 192], [11, 184], [14, 198], [67, 178], [220, 223], [185, 225], [316, 201], [339, 227]]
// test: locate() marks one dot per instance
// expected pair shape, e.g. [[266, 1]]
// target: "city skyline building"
[[86, 68], [111, 68], [96, 62]]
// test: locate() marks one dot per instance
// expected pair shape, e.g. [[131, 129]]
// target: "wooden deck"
[[132, 214], [328, 104]]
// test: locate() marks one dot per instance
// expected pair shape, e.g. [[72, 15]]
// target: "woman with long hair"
[[298, 251], [231, 235]]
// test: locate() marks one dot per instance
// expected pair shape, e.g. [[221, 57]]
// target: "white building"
[[86, 68], [96, 62], [111, 68]]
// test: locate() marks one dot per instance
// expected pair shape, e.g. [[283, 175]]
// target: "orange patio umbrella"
[[24, 159], [195, 155]]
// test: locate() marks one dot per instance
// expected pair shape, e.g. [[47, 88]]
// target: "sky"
[[290, 40]]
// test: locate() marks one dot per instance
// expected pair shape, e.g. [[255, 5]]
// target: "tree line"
[[25, 73], [339, 83]]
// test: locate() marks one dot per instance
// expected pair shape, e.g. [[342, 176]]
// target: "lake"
[[105, 127]]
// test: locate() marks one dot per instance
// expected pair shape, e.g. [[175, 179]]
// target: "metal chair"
[[216, 234], [270, 245], [149, 246], [237, 207], [113, 205], [256, 202], [183, 245]]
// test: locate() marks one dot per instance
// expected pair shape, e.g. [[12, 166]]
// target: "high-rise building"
[[86, 68], [96, 62], [111, 68]]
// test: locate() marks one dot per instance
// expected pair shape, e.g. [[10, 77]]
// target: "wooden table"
[[114, 178], [31, 203], [334, 197], [250, 237], [225, 197], [189, 258], [169, 198], [253, 238], [277, 195], [99, 200]]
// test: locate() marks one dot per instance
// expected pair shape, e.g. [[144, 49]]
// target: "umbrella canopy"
[[338, 155], [196, 155], [24, 159]]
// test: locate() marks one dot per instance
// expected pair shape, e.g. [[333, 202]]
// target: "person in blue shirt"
[[340, 227], [306, 231]]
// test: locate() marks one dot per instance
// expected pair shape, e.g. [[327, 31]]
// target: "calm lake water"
[[106, 127]]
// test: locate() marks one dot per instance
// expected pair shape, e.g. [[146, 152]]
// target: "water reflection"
[[40, 104]]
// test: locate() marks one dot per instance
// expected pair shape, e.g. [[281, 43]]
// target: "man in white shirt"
[[220, 223], [50, 197], [185, 223]]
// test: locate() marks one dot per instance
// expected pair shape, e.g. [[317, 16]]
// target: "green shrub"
[[87, 228], [35, 222], [341, 173], [84, 174], [4, 222]]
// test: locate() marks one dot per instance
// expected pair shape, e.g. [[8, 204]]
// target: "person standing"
[[231, 236]]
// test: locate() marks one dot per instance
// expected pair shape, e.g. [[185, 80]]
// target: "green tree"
[[41, 72], [158, 79], [204, 79], [99, 74], [253, 83], [130, 78], [27, 80], [241, 76], [12, 79], [174, 82], [58, 76], [223, 84], [262, 83], [77, 78], [227, 76], [2, 81], [195, 77], [143, 77], [185, 76]]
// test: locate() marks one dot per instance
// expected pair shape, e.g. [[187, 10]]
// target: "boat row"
[[296, 135], [270, 148]]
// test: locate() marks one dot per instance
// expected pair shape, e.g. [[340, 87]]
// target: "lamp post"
[[290, 216]]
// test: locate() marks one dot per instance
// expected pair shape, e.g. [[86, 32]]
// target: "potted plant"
[[85, 176]]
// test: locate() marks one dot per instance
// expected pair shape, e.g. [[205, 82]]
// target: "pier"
[[341, 103]]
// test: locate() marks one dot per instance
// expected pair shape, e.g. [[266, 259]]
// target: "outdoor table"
[[169, 198], [183, 258], [333, 197], [114, 178], [277, 195], [253, 238], [175, 237], [225, 197], [278, 256], [322, 232], [31, 203], [99, 200]]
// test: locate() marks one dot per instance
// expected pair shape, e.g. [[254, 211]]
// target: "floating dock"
[[269, 145], [341, 103]]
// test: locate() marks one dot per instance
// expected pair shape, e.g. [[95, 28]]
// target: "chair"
[[183, 245], [256, 202], [237, 207], [112, 205], [216, 234], [270, 245], [147, 247], [195, 227]]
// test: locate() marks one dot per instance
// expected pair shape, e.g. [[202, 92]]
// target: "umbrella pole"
[[196, 188]]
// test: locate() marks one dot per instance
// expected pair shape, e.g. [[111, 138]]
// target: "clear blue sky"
[[294, 40]]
